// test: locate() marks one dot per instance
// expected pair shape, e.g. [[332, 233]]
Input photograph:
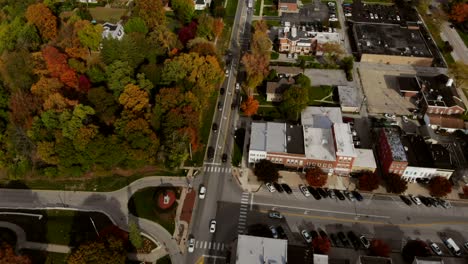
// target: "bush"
[[439, 186], [274, 55]]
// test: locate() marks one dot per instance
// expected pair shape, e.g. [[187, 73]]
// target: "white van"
[[452, 246]]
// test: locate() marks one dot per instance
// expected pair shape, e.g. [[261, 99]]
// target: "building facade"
[[391, 151], [303, 40]]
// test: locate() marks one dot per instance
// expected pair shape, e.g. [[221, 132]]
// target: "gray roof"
[[348, 96], [319, 143], [261, 250], [258, 136], [268, 136], [397, 148], [321, 117], [280, 86]]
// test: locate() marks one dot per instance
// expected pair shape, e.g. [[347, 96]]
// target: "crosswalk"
[[218, 169], [243, 212], [211, 245]]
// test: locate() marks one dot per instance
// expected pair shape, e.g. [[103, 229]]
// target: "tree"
[[261, 43], [41, 16], [205, 26], [250, 106], [119, 75], [316, 177], [415, 248], [133, 98], [321, 245], [184, 9], [202, 47], [90, 36], [439, 186], [459, 71], [188, 32], [266, 171], [14, 79], [135, 235], [152, 12], [46, 86], [295, 99], [368, 181], [109, 251], [459, 12], [136, 24], [132, 48], [104, 104], [256, 66], [218, 26], [395, 184], [7, 255], [163, 40], [379, 248]]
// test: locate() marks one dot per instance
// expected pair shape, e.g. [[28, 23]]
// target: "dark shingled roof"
[[438, 86], [288, 1], [295, 139], [421, 154]]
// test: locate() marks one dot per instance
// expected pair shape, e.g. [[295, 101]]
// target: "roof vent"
[[289, 138], [294, 32], [324, 141], [449, 82], [439, 98]]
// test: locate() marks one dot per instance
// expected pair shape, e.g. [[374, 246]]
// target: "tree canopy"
[[395, 184], [368, 181], [316, 177], [439, 186], [266, 171]]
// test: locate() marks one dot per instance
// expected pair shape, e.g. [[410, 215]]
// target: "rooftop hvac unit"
[[449, 82], [324, 141], [439, 98]]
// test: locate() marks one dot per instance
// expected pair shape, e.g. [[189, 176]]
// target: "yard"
[[144, 204], [270, 11], [321, 95], [257, 7], [104, 14]]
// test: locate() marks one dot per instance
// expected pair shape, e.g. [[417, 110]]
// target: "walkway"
[[113, 204]]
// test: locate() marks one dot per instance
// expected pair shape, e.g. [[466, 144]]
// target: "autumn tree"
[[261, 43], [58, 66], [316, 177], [395, 184], [8, 255], [13, 78], [439, 186], [250, 106], [321, 245], [295, 99], [90, 35], [45, 21], [379, 248], [133, 98], [152, 12], [132, 49], [188, 32], [218, 26], [184, 9], [205, 26], [256, 66], [266, 171], [202, 47], [415, 248], [23, 107], [368, 181], [459, 12], [109, 251], [163, 40], [104, 103], [119, 75]]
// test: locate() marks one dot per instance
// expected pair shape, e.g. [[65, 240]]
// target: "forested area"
[[72, 102]]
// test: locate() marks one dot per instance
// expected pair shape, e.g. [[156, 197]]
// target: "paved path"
[[113, 204]]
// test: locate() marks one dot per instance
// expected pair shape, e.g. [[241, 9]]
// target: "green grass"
[[98, 184], [102, 14], [257, 7], [306, 2], [270, 113], [267, 2], [270, 11], [231, 8], [463, 36], [273, 23], [378, 1], [143, 204], [319, 93]]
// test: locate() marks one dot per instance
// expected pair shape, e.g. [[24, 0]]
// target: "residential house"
[[201, 4], [115, 31], [287, 6], [275, 90]]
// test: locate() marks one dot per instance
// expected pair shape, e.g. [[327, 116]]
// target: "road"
[[451, 35]]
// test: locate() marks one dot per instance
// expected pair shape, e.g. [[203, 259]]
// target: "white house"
[[115, 31]]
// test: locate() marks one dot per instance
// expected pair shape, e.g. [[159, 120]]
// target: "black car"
[[221, 91], [220, 106], [281, 233], [357, 195], [286, 188], [343, 239], [278, 187], [354, 240], [314, 193], [425, 201], [334, 239], [339, 195], [314, 234], [210, 153], [322, 192], [224, 157], [322, 233], [406, 200], [214, 127]]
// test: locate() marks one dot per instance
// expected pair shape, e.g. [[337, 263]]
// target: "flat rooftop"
[[436, 93], [365, 159], [390, 39], [397, 148], [294, 139], [408, 84], [268, 136], [374, 260], [318, 143], [417, 151], [321, 117], [344, 140], [251, 249], [348, 96]]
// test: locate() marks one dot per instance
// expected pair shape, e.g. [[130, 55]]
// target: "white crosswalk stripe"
[[212, 245], [243, 212], [218, 169]]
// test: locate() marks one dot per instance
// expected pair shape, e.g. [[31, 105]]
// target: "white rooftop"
[[261, 250], [320, 259], [348, 96], [321, 117], [344, 140], [268, 136], [420, 260], [365, 159], [318, 143]]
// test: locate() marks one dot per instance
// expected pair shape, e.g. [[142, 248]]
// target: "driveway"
[[326, 77]]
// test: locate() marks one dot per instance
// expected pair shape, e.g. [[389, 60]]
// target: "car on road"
[[331, 193], [224, 158], [278, 187], [221, 91], [202, 192], [354, 240], [237, 86], [226, 73], [210, 153], [214, 127], [415, 199], [390, 116], [406, 200], [343, 239], [339, 195], [405, 119], [220, 106], [304, 190], [450, 244], [314, 193], [357, 195], [281, 232], [274, 233], [191, 245], [275, 214], [270, 187], [435, 248], [364, 241], [350, 196], [322, 192], [212, 226], [286, 188], [306, 236]]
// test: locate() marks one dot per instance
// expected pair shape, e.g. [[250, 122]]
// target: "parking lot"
[[379, 13]]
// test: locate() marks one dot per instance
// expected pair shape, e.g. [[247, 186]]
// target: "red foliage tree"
[[316, 177], [379, 248], [459, 12], [439, 186], [188, 32], [250, 106], [415, 248], [55, 60], [321, 245], [84, 84], [368, 181], [395, 184], [7, 255]]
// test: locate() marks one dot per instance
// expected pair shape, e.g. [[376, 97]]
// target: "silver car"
[[436, 249]]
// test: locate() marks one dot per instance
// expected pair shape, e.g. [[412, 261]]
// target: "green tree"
[[459, 72], [71, 122], [104, 103], [136, 24], [28, 38], [91, 36], [109, 251], [9, 33], [12, 78], [205, 26], [163, 40], [119, 75], [135, 235], [132, 48], [184, 9], [266, 171], [96, 74], [295, 99]]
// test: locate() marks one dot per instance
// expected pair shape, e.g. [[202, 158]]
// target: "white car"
[[237, 86], [202, 192], [333, 19], [191, 245], [436, 249], [331, 3], [270, 187], [212, 226], [415, 199], [274, 232], [405, 119], [227, 73], [304, 190], [307, 237]]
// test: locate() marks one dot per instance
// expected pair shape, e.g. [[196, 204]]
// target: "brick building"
[[391, 151], [287, 6], [438, 96], [303, 40]]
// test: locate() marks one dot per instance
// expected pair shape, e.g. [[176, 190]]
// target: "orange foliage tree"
[[250, 106], [7, 255], [459, 12], [439, 186], [45, 21], [58, 66], [218, 26], [316, 177]]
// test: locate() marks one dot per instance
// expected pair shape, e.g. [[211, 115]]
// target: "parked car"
[[275, 214], [444, 203], [281, 233], [435, 248], [237, 86], [450, 244], [274, 233], [314, 234], [364, 241], [334, 239], [425, 201], [415, 199], [354, 239], [304, 190], [286, 188], [306, 236], [224, 157], [323, 234], [278, 187], [221, 91], [350, 196], [331, 193], [191, 245], [270, 187], [357, 195], [314, 193], [212, 226], [406, 200], [226, 73], [339, 195], [322, 192], [343, 239], [202, 192]]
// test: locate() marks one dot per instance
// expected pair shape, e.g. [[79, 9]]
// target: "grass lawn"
[[463, 36], [270, 113], [257, 7], [319, 93], [98, 184], [231, 8], [273, 23], [143, 204], [103, 14], [270, 11], [267, 2], [378, 1], [306, 2]]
